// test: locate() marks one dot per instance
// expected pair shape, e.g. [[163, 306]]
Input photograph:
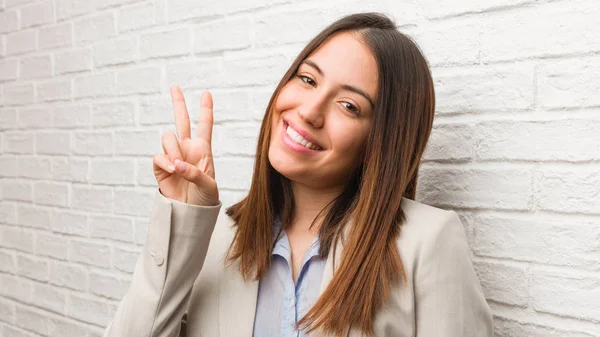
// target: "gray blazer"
[[181, 269]]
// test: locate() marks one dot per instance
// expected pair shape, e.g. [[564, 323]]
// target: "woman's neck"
[[308, 202]]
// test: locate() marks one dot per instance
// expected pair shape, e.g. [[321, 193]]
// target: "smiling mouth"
[[298, 139]]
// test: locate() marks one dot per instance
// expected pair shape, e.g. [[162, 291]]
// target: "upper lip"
[[303, 133]]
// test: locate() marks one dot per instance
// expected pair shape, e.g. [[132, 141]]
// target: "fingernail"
[[176, 161], [171, 168]]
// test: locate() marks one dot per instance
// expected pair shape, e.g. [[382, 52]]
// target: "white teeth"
[[299, 139]]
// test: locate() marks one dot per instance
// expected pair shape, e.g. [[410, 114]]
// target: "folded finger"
[[170, 146], [162, 161]]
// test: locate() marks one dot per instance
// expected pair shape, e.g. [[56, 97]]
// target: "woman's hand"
[[186, 172]]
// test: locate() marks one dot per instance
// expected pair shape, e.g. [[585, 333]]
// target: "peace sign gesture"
[[185, 171]]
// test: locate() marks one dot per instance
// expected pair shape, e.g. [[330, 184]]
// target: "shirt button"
[[159, 260], [293, 301]]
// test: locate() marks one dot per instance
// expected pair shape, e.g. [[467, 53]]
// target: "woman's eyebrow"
[[344, 86]]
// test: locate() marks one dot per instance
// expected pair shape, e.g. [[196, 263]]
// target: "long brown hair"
[[402, 121]]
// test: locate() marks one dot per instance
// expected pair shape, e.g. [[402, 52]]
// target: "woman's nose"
[[312, 111]]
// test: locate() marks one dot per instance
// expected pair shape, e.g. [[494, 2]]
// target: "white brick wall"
[[84, 97]]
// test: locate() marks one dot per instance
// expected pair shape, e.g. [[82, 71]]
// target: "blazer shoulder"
[[425, 223]]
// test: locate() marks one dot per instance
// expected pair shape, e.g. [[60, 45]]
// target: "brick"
[[235, 139], [125, 259], [50, 298], [49, 325], [136, 202], [69, 169], [152, 45], [89, 310], [18, 190], [60, 35], [108, 286], [229, 34], [556, 30], [32, 267], [144, 173], [18, 94], [18, 142], [471, 187], [7, 265], [53, 143], [8, 70], [17, 288], [71, 8], [52, 194], [112, 172], [141, 15], [157, 110], [33, 216], [51, 245], [92, 198], [301, 26], [55, 90], [37, 14], [503, 283], [234, 173], [14, 331], [139, 81], [263, 70], [179, 10], [91, 143], [72, 116], [451, 142], [75, 60], [509, 328], [493, 88], [548, 289], [34, 167], [439, 43], [569, 83], [546, 140], [574, 190], [90, 253], [96, 85], [113, 3], [68, 276], [116, 51], [137, 143], [197, 74], [8, 213], [34, 118], [20, 42], [113, 114], [8, 22], [441, 8], [9, 166], [114, 228], [227, 105], [8, 119], [69, 223], [95, 28], [140, 231], [36, 67]]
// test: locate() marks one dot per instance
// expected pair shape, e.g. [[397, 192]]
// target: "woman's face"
[[327, 107]]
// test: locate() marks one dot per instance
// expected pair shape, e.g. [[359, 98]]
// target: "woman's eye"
[[306, 79], [351, 107]]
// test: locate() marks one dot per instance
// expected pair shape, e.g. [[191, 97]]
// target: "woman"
[[329, 241]]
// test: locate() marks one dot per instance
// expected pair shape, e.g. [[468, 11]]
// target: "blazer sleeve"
[[169, 263], [449, 298]]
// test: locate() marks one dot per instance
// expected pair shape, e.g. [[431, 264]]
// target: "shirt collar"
[[282, 245]]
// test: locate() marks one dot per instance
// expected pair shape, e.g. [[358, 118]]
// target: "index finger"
[[182, 118], [205, 122]]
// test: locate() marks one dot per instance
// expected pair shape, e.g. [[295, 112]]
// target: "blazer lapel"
[[237, 303]]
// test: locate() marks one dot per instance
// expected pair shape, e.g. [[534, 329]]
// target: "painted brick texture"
[[84, 98]]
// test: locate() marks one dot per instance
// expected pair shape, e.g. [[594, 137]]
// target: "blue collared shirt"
[[281, 303]]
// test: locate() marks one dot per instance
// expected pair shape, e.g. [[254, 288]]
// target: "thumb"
[[190, 173]]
